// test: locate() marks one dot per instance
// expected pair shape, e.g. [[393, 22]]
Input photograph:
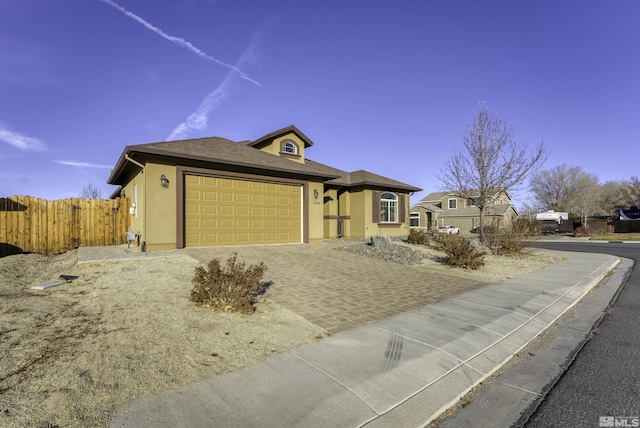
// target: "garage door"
[[225, 211]]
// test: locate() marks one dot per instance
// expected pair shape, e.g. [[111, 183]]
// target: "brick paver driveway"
[[338, 290]]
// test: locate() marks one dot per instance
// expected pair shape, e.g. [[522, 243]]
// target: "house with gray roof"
[[447, 208], [214, 191]]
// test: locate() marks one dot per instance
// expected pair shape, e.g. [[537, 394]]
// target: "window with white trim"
[[453, 204], [414, 219], [388, 208], [289, 147]]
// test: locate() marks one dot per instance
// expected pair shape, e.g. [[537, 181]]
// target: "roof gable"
[[267, 139]]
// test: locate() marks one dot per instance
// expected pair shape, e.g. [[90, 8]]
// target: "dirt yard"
[[71, 355]]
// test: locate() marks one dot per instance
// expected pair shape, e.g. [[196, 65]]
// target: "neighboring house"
[[213, 191], [444, 208]]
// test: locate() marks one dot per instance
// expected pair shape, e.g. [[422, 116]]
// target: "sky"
[[387, 86]]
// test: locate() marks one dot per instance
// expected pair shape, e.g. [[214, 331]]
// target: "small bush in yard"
[[460, 252], [418, 237], [511, 240], [232, 288]]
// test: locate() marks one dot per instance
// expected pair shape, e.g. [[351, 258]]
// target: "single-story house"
[[447, 208], [214, 191]]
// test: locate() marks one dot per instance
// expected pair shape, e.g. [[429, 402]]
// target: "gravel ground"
[[400, 254]]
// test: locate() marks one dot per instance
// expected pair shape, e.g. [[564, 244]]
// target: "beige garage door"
[[224, 211]]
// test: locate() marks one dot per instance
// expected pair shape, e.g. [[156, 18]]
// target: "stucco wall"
[[362, 224], [161, 207], [274, 147], [359, 209], [316, 212], [330, 213], [424, 217], [135, 191]]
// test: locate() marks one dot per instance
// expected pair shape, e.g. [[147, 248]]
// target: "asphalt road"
[[602, 385]]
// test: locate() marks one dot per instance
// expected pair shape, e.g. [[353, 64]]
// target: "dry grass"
[[617, 237]]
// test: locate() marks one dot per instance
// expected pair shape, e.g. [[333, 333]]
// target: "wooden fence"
[[33, 225]]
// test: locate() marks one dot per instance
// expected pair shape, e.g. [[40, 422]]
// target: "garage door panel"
[[270, 212], [224, 211], [208, 223]]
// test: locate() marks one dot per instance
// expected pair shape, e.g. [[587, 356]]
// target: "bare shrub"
[[231, 288], [511, 240], [460, 252], [582, 231], [417, 236]]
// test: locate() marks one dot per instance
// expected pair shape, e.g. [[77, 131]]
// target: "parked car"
[[451, 230]]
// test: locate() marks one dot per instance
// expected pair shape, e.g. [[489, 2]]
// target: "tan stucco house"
[[214, 191], [447, 208]]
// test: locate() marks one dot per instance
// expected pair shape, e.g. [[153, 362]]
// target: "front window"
[[414, 219], [289, 147], [388, 208], [453, 204]]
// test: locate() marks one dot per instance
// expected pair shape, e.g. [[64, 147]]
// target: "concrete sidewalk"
[[402, 371]]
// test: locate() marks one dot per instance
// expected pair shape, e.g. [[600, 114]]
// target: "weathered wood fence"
[[36, 225]]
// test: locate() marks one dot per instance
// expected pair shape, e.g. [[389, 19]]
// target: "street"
[[602, 386]]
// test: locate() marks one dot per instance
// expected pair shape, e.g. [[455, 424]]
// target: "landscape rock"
[[382, 242], [395, 253], [475, 243]]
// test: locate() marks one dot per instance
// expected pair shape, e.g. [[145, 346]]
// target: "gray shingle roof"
[[491, 210], [361, 178]]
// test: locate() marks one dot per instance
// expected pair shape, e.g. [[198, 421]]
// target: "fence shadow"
[[9, 250]]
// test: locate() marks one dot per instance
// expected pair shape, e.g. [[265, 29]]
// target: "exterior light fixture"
[[164, 181], [315, 193]]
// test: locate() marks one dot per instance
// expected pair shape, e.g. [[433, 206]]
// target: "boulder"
[[381, 241], [479, 246]]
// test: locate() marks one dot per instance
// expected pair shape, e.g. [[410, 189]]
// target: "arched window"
[[388, 208], [289, 147]]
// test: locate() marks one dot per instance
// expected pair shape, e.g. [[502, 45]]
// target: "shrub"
[[583, 231], [417, 236], [510, 240], [232, 288], [460, 252]]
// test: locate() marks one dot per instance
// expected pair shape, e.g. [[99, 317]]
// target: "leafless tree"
[[632, 191], [588, 197], [91, 192], [490, 161], [571, 189], [556, 188]]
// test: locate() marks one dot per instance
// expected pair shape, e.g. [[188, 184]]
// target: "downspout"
[[144, 184]]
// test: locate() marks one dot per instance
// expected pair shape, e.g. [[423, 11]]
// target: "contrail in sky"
[[179, 41], [20, 141], [81, 164], [198, 119]]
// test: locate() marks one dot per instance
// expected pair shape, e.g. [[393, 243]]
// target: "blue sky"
[[385, 86]]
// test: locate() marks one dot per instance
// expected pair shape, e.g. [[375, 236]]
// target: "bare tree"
[[587, 198], [556, 188], [490, 162], [571, 189], [91, 192], [632, 190], [616, 195]]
